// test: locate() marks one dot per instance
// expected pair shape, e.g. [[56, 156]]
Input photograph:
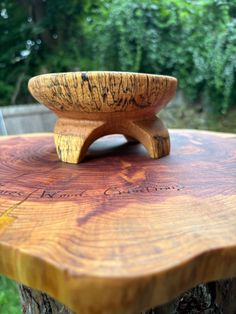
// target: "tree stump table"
[[120, 232]]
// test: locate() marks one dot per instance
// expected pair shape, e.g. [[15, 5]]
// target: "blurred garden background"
[[194, 41]]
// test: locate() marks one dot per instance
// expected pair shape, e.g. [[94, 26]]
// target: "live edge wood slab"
[[120, 232], [90, 105]]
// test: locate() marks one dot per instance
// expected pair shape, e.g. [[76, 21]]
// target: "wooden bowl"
[[74, 94], [113, 102]]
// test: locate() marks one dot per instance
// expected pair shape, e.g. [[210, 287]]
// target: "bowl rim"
[[114, 73]]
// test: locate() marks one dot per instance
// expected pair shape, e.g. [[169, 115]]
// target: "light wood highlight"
[[120, 232], [93, 104]]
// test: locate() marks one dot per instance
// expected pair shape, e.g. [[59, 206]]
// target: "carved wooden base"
[[73, 137], [214, 297]]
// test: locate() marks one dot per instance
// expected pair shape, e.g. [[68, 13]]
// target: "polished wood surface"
[[118, 233], [93, 104]]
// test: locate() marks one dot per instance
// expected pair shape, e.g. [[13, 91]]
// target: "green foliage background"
[[192, 40], [9, 297]]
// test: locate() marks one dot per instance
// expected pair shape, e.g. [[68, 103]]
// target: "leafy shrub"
[[193, 40]]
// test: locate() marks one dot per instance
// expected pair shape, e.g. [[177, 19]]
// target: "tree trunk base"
[[36, 302], [213, 298]]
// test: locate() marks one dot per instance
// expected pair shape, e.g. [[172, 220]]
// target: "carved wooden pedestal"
[[90, 105], [73, 137], [120, 232]]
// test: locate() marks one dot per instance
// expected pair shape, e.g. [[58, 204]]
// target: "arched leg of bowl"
[[153, 135], [73, 137]]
